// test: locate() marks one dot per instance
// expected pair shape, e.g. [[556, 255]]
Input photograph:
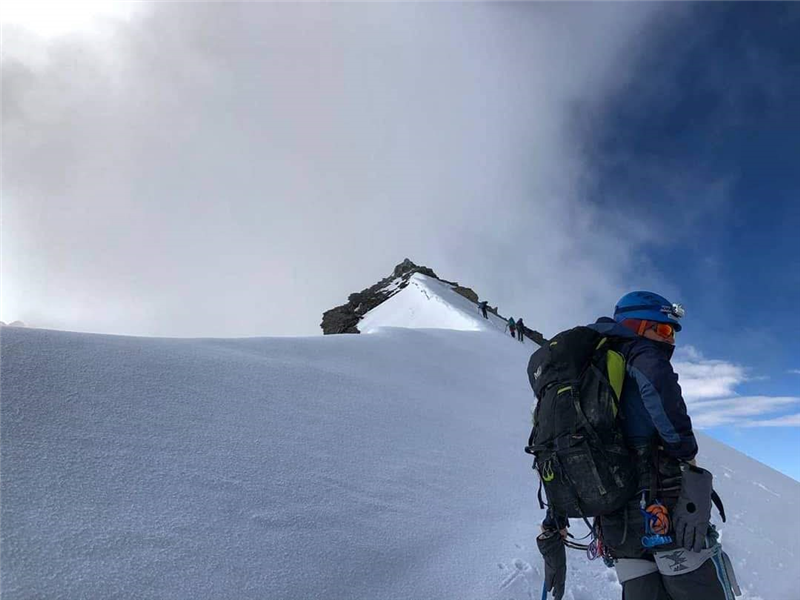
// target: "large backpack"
[[580, 453]]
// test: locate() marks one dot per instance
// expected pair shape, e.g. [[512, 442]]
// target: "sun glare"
[[51, 18]]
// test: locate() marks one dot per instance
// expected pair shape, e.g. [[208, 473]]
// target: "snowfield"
[[381, 466]]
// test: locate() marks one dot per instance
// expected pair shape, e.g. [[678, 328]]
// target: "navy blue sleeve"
[[661, 394]]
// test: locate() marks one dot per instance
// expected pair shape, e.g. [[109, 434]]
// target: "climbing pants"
[[678, 574]]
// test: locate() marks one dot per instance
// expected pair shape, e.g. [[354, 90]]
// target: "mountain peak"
[[431, 302], [345, 318]]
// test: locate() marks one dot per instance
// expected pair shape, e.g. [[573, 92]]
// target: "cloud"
[[709, 388], [736, 411], [703, 378], [784, 421], [238, 168], [794, 371]]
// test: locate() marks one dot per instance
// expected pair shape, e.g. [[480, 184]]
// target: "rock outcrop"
[[345, 318], [534, 335], [468, 293]]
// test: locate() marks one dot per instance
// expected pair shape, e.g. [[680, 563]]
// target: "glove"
[[551, 545], [692, 514]]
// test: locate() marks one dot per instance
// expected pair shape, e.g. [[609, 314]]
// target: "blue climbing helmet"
[[648, 306]]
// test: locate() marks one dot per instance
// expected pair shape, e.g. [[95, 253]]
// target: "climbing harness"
[[595, 549]]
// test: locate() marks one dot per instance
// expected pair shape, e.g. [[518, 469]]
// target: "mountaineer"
[[613, 442]]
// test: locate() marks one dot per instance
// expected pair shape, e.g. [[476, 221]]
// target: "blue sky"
[[707, 137]]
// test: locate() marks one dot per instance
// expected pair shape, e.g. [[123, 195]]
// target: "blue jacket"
[[652, 403]]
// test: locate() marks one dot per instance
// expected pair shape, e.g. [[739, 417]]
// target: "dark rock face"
[[341, 319], [468, 293], [534, 335], [345, 318], [407, 269]]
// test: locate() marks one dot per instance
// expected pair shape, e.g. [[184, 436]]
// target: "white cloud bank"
[[226, 169], [709, 388]]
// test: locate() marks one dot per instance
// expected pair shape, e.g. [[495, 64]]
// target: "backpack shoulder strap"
[[615, 366]]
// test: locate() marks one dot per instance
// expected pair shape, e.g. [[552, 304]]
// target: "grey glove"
[[692, 514], [551, 545]]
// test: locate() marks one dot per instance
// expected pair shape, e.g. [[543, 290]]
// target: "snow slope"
[[382, 466], [429, 303]]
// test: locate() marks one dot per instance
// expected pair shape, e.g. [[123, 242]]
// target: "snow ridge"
[[429, 303]]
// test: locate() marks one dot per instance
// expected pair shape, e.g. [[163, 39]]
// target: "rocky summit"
[[345, 318]]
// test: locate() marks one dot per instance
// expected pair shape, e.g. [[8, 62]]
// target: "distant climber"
[[512, 326], [612, 441], [520, 330], [483, 305]]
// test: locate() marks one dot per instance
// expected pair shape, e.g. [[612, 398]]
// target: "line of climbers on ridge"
[[516, 328]]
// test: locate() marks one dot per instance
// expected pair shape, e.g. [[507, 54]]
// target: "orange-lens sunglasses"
[[665, 330]]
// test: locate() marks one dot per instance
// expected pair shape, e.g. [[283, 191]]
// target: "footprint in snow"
[[520, 569], [579, 592]]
